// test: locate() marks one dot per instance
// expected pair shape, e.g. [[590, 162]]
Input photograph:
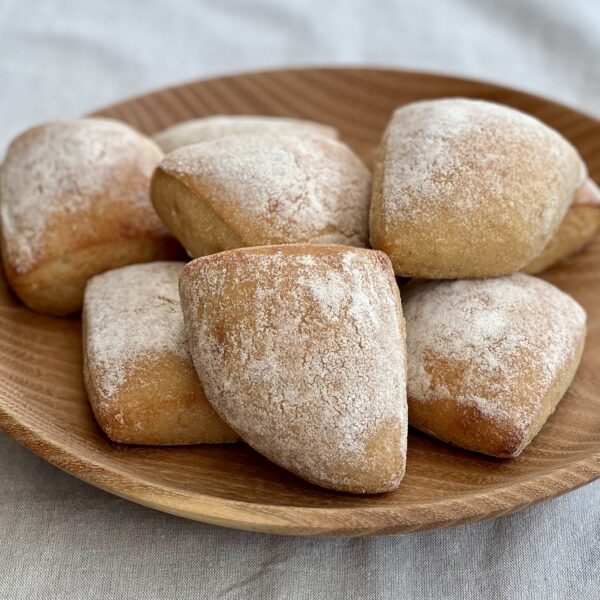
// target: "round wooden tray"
[[43, 403]]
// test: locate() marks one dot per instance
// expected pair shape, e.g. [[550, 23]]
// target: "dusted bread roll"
[[138, 374], [465, 188], [252, 190], [74, 203], [489, 360], [580, 225], [211, 128], [301, 351]]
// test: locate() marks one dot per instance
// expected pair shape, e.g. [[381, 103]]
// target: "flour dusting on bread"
[[210, 128], [503, 341], [447, 151], [62, 168], [465, 188], [146, 300], [277, 188], [309, 354]]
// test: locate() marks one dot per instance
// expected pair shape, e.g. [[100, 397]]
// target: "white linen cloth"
[[61, 538]]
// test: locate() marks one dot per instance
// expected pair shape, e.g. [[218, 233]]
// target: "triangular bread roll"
[[489, 359], [467, 188], [74, 203], [138, 373], [258, 190], [301, 351]]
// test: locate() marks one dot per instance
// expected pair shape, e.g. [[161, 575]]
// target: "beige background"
[[60, 538]]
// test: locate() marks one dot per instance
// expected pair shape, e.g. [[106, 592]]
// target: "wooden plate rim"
[[425, 74], [307, 521]]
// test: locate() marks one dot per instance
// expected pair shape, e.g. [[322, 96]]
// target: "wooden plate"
[[43, 403]]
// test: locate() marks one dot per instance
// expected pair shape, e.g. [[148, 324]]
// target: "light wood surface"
[[43, 403]]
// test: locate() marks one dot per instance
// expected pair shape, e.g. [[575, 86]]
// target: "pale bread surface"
[[489, 359], [252, 190], [75, 202], [301, 351], [138, 373], [467, 188], [205, 129]]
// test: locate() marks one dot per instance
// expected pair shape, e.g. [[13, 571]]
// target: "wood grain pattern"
[[43, 404]]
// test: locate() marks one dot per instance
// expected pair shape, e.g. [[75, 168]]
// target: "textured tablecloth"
[[60, 538]]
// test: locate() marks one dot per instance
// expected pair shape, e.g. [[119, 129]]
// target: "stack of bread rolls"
[[287, 330]]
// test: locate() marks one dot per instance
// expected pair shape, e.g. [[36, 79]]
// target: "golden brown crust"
[[288, 343], [464, 188], [464, 425], [57, 287], [139, 377], [64, 216], [262, 190], [580, 225], [201, 230], [161, 404], [489, 360]]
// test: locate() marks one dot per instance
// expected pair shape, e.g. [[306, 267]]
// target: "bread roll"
[[257, 190], [137, 370], [489, 360], [301, 351], [74, 203], [580, 225], [465, 188], [206, 129]]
